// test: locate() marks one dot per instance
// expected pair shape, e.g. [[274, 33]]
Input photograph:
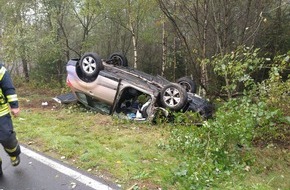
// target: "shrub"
[[220, 148], [236, 68], [273, 93], [213, 152]]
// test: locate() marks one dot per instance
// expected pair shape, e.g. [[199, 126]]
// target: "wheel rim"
[[171, 97], [89, 64], [118, 60], [186, 86]]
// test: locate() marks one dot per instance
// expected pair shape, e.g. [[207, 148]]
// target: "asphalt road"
[[38, 172]]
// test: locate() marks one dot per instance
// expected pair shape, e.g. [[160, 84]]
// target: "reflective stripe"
[[2, 72], [12, 98], [4, 106], [4, 109], [12, 150]]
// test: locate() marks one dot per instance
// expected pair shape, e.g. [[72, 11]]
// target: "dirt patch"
[[37, 98]]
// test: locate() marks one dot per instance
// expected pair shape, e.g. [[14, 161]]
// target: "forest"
[[236, 51], [169, 38]]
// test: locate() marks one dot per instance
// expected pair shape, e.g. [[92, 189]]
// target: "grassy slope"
[[123, 152], [120, 151]]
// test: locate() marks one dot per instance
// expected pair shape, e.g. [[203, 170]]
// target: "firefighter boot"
[[15, 160]]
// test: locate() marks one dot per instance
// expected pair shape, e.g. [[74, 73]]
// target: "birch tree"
[[130, 15], [209, 27]]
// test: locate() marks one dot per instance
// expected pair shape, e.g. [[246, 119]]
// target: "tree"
[[274, 36], [130, 15], [209, 27], [17, 33], [173, 39]]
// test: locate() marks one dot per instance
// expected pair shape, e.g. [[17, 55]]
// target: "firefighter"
[[8, 104]]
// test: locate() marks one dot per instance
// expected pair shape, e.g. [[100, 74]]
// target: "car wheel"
[[118, 59], [173, 96], [187, 84], [90, 65]]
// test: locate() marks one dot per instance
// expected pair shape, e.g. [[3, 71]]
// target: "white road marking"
[[65, 170]]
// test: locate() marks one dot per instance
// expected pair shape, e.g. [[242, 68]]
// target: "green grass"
[[270, 171], [127, 152]]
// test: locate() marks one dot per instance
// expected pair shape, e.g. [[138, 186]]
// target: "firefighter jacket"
[[8, 96]]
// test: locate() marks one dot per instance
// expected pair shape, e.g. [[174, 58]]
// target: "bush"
[[236, 69], [221, 147], [273, 93]]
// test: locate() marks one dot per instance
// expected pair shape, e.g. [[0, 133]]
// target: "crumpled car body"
[[111, 87]]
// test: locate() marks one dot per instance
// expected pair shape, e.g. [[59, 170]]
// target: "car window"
[[93, 103]]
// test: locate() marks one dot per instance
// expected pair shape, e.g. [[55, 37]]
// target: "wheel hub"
[[89, 65]]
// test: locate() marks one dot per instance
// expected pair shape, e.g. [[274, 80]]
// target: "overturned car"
[[110, 86]]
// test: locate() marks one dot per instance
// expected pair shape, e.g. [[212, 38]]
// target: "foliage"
[[274, 93], [212, 156], [276, 87], [220, 147], [236, 68], [210, 152], [274, 36], [223, 146], [47, 71], [187, 118], [171, 35]]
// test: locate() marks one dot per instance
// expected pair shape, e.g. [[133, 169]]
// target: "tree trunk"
[[175, 59], [25, 69], [164, 49], [204, 73], [279, 29], [134, 38], [248, 9], [228, 84]]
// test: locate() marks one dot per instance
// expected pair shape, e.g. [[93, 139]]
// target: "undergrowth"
[[211, 154], [223, 149]]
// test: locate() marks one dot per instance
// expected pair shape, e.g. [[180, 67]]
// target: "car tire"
[[118, 59], [187, 84], [90, 65], [173, 96]]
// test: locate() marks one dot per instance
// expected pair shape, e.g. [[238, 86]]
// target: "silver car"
[[110, 86]]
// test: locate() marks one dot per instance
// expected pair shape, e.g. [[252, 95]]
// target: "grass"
[[126, 152], [123, 152], [270, 171]]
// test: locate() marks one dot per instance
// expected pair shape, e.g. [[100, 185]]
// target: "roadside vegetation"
[[245, 145]]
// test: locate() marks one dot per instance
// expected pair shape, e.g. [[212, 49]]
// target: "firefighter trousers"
[[8, 136]]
